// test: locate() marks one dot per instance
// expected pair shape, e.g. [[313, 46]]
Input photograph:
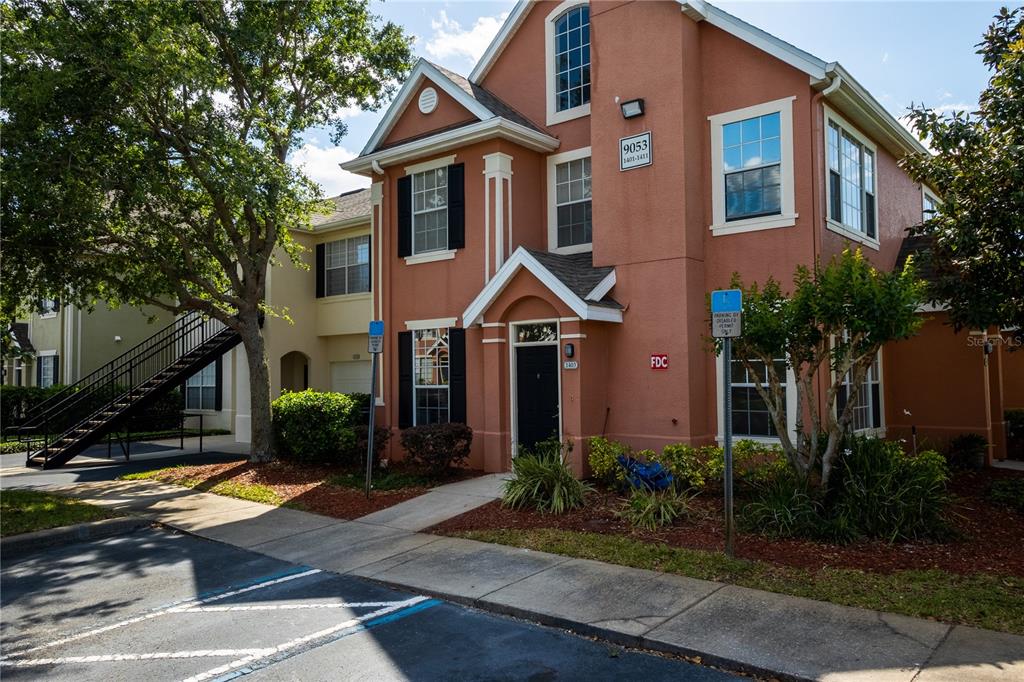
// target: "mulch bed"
[[304, 486], [989, 538]]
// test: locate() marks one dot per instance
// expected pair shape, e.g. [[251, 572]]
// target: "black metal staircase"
[[86, 411]]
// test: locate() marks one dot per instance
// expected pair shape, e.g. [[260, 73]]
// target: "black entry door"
[[536, 394]]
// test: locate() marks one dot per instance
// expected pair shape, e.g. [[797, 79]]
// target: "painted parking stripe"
[[288, 607], [177, 607], [108, 658], [345, 628]]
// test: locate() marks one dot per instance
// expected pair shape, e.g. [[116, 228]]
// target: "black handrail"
[[116, 386]]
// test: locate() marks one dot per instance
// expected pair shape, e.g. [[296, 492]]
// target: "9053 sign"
[[635, 151]]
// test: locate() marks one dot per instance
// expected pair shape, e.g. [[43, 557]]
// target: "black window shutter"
[[369, 266], [56, 369], [405, 216], [39, 370], [457, 206], [457, 375], [404, 380], [320, 274], [218, 398]]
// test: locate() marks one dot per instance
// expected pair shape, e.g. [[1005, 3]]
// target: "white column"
[[497, 169]]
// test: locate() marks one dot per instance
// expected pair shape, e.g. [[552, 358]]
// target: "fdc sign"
[[659, 360]]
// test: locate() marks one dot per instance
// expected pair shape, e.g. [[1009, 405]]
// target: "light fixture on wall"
[[570, 350], [632, 108]]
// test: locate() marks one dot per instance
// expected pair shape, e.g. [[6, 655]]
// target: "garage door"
[[350, 377]]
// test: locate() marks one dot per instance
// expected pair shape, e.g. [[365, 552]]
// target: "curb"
[[26, 543], [595, 631]]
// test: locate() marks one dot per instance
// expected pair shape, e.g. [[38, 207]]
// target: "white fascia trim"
[[497, 46], [433, 164], [423, 69], [435, 323], [430, 257], [493, 340], [776, 47], [522, 259], [475, 132], [348, 223], [602, 288]]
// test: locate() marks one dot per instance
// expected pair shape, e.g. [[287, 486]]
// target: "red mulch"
[[989, 538], [304, 486]]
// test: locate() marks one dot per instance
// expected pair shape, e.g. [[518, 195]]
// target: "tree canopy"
[[146, 145], [976, 248], [829, 331]]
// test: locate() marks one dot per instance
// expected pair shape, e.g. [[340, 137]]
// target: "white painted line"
[[107, 658], [289, 607], [299, 641], [174, 608]]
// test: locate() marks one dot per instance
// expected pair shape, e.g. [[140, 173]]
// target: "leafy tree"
[[146, 144], [977, 236], [831, 326]]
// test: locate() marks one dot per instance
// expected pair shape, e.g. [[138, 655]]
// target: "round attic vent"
[[428, 100]]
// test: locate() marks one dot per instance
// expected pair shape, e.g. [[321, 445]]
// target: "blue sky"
[[902, 52]]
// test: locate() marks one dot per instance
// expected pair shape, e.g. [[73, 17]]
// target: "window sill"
[[852, 235], [754, 224], [430, 257], [556, 117], [362, 295], [761, 440], [569, 250], [47, 316]]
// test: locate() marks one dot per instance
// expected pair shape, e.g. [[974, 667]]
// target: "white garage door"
[[350, 377]]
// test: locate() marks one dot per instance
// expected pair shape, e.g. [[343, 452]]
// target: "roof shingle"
[[354, 204]]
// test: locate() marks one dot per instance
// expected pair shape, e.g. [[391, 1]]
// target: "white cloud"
[[885, 57], [451, 40], [321, 165]]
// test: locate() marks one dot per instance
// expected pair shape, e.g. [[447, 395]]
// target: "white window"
[[48, 307], [567, 57], [750, 416], [852, 207], [752, 168], [201, 389], [47, 370], [19, 372], [929, 204], [347, 266], [570, 223], [430, 210], [430, 376], [867, 407]]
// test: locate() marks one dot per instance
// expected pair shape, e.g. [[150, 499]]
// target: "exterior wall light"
[[632, 108], [570, 350]]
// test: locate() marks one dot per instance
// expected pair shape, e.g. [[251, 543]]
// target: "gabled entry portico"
[[541, 324]]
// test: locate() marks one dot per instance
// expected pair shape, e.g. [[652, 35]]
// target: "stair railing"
[[116, 385]]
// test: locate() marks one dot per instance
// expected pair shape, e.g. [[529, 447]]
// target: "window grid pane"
[[201, 389], [572, 59], [573, 203], [750, 416], [347, 266], [430, 375], [430, 210], [751, 159], [852, 181]]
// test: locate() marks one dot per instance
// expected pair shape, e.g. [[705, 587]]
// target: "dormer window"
[[567, 32]]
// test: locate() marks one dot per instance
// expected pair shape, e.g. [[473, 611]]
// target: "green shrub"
[[381, 436], [652, 509], [967, 451], [438, 447], [784, 507], [603, 459], [884, 493], [688, 467], [542, 481], [311, 426], [1008, 492], [704, 466], [16, 401]]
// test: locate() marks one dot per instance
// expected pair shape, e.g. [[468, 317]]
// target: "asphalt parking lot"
[[157, 605]]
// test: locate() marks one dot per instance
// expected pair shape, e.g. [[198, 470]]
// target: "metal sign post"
[[376, 345], [726, 323]]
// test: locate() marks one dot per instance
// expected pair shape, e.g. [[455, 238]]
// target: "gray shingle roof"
[[487, 98], [577, 272], [354, 204], [20, 330], [917, 246]]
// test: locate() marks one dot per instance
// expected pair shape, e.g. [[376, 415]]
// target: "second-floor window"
[[572, 201], [430, 210], [48, 306], [347, 266], [572, 58], [851, 180], [929, 205], [752, 162]]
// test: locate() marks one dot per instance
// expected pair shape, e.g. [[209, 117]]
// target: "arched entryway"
[[294, 371]]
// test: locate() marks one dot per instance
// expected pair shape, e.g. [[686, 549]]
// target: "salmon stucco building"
[[539, 239]]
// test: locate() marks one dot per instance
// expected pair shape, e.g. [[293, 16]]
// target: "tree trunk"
[[259, 389]]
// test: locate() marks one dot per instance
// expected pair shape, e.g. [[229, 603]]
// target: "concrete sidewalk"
[[735, 627]]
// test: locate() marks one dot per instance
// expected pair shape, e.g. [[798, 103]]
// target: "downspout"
[[817, 174], [375, 165]]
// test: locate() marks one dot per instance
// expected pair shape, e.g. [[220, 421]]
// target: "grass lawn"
[[254, 492], [994, 602], [24, 511]]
